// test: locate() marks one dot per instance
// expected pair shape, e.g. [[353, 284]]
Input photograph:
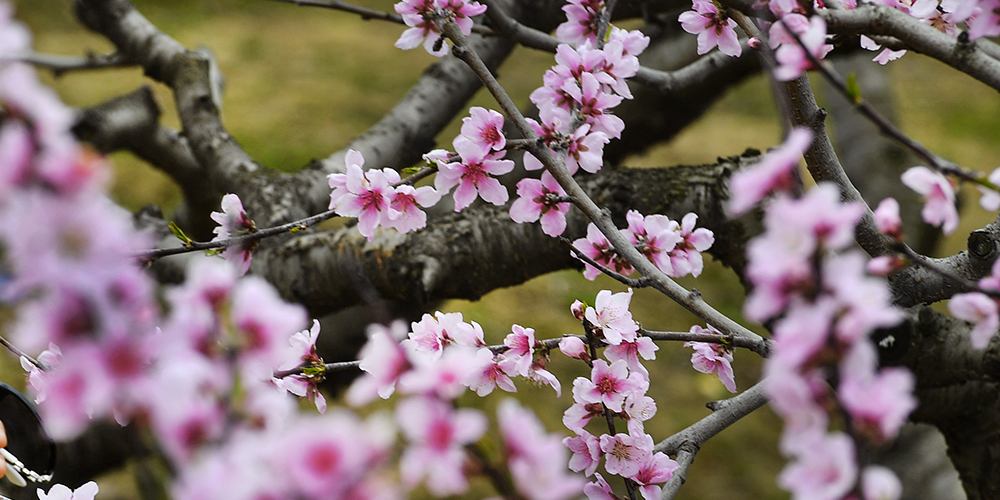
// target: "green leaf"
[[179, 233], [853, 90]]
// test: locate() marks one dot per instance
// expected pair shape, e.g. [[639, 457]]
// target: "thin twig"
[[61, 64], [367, 14], [641, 282], [21, 354]]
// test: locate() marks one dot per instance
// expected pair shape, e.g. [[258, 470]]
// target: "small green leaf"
[[314, 370], [408, 171], [179, 233], [214, 251], [853, 90]]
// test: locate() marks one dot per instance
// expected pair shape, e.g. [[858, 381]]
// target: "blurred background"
[[302, 82]]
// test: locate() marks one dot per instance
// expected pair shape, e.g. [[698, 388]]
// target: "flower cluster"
[[713, 358], [617, 386], [377, 198], [423, 15], [826, 307], [673, 248], [980, 309], [436, 361]]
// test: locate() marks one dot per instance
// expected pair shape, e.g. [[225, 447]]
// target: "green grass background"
[[302, 82]]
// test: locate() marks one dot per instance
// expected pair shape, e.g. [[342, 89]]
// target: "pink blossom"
[[631, 351], [939, 197], [774, 172], [586, 450], [404, 216], [819, 213], [887, 219], [577, 416], [686, 258], [655, 236], [447, 377], [986, 23], [586, 149], [521, 345], [367, 197], [637, 409], [491, 375], [581, 22], [792, 58], [473, 175], [574, 348], [420, 15], [885, 264], [433, 333], [713, 359], [536, 460], [539, 376], [990, 199], [804, 331], [537, 200], [655, 469], [304, 384], [625, 454], [609, 384], [714, 28], [878, 402], [593, 104], [597, 247], [599, 489], [60, 492], [865, 302], [484, 128], [611, 317], [265, 323], [825, 468], [383, 360], [437, 434], [233, 221], [979, 309]]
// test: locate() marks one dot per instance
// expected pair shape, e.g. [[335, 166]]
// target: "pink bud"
[[577, 309], [754, 43], [574, 348]]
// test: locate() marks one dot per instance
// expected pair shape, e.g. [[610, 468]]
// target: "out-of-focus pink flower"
[[233, 221], [865, 302], [887, 219], [714, 28], [986, 23], [713, 359], [825, 468], [880, 483], [537, 200], [792, 59], [879, 401], [980, 310], [990, 199], [383, 360], [537, 460], [446, 377], [774, 172], [939, 197], [265, 323], [437, 434], [610, 315]]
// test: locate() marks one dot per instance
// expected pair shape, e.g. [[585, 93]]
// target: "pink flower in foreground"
[[608, 384], [630, 352], [536, 460], [825, 468], [490, 375], [581, 22], [686, 258], [713, 359], [521, 345], [537, 200], [586, 450], [474, 175], [233, 221], [625, 454], [714, 28], [774, 172], [484, 128], [655, 469], [792, 59], [367, 195], [939, 197], [980, 310], [404, 216], [878, 401], [599, 490], [655, 236], [383, 360], [573, 347], [610, 315]]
